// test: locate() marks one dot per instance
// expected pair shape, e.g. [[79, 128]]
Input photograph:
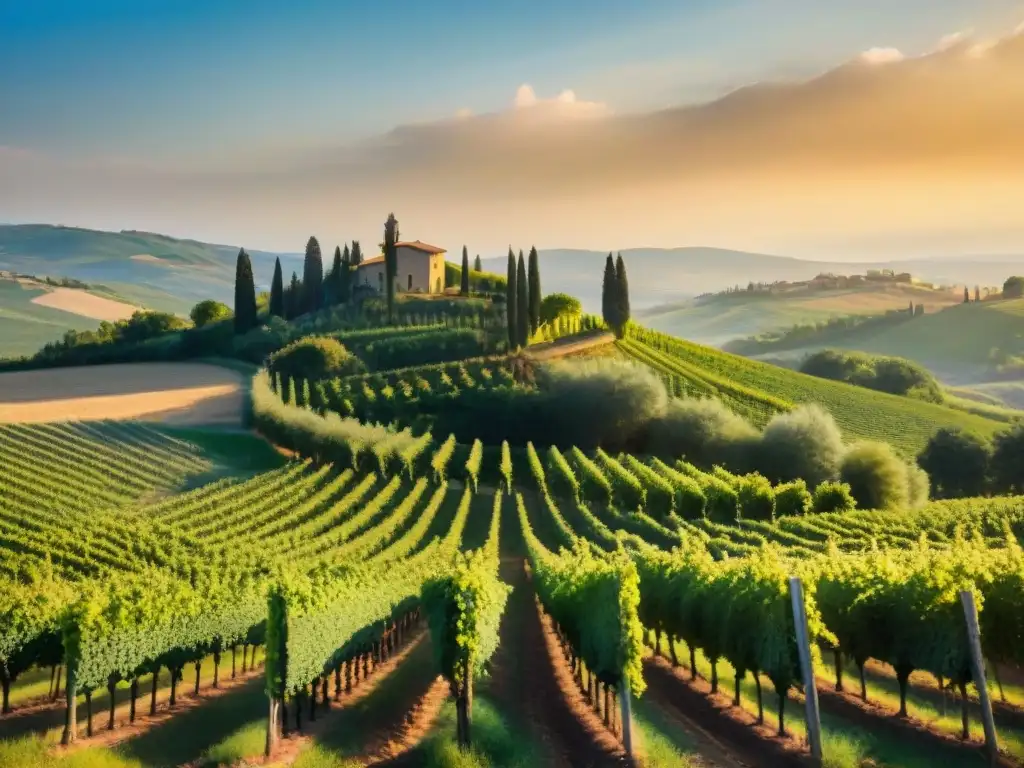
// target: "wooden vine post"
[[978, 667], [627, 717], [796, 592]]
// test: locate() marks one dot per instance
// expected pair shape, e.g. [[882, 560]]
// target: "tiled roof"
[[365, 262], [420, 246]]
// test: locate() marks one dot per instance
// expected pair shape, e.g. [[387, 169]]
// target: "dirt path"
[[527, 684], [570, 345], [729, 734], [386, 715]]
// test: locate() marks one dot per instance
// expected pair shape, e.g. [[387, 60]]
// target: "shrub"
[[703, 431], [1008, 460], [894, 375], [918, 486], [314, 358], [439, 346], [558, 304], [957, 462], [803, 444], [877, 477], [209, 311], [756, 497], [793, 499], [832, 496]]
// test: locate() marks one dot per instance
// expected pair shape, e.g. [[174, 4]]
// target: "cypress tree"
[[511, 298], [332, 282], [464, 285], [245, 294], [277, 291], [293, 298], [609, 286], [535, 297], [390, 262], [522, 304], [312, 278], [621, 297], [345, 279], [477, 266], [357, 254]]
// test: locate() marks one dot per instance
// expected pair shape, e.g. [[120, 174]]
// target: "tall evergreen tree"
[[967, 295], [312, 278], [464, 282], [293, 298], [977, 293], [609, 292], [245, 294], [621, 296], [535, 297], [335, 277], [345, 279], [511, 298], [477, 266], [390, 262], [357, 254], [277, 291], [522, 303]]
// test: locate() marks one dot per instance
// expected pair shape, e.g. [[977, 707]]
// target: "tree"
[[345, 279], [967, 295], [910, 311], [335, 277], [390, 262], [357, 254], [464, 285], [957, 462], [1008, 460], [609, 288], [314, 358], [977, 293], [559, 305], [535, 297], [477, 266], [245, 294], [312, 278], [1013, 288], [511, 299], [209, 311], [621, 297], [522, 304], [293, 298], [277, 291]]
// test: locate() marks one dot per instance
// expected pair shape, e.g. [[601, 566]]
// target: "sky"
[[860, 128]]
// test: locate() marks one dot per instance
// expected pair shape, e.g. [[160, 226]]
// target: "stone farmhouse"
[[420, 269]]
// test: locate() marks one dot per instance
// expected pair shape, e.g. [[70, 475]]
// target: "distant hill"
[[667, 276], [720, 318], [151, 270], [962, 344]]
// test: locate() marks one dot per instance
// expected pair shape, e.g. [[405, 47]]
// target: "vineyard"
[[758, 390], [603, 602]]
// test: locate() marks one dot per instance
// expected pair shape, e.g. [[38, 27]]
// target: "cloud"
[[954, 39], [882, 56], [907, 143], [464, 113]]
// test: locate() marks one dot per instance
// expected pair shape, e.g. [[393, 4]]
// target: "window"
[[410, 283]]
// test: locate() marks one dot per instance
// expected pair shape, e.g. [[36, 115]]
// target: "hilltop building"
[[420, 269]]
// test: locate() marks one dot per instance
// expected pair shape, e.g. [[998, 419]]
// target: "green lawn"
[[25, 327]]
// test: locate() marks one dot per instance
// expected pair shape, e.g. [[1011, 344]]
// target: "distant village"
[[828, 281]]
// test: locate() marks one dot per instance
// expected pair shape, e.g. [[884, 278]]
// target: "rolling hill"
[[720, 318]]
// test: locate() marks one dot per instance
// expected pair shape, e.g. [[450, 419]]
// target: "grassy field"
[[25, 326], [758, 389], [719, 319], [957, 343]]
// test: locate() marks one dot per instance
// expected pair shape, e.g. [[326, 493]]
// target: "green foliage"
[[894, 375], [877, 477], [622, 311], [506, 467], [245, 294], [1013, 287], [522, 304], [512, 301], [609, 296], [556, 305], [756, 497], [1008, 460], [276, 307], [313, 358], [209, 311], [594, 601], [436, 346], [957, 463], [833, 497], [312, 297], [703, 431], [793, 499], [390, 247], [803, 444], [534, 291], [464, 282]]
